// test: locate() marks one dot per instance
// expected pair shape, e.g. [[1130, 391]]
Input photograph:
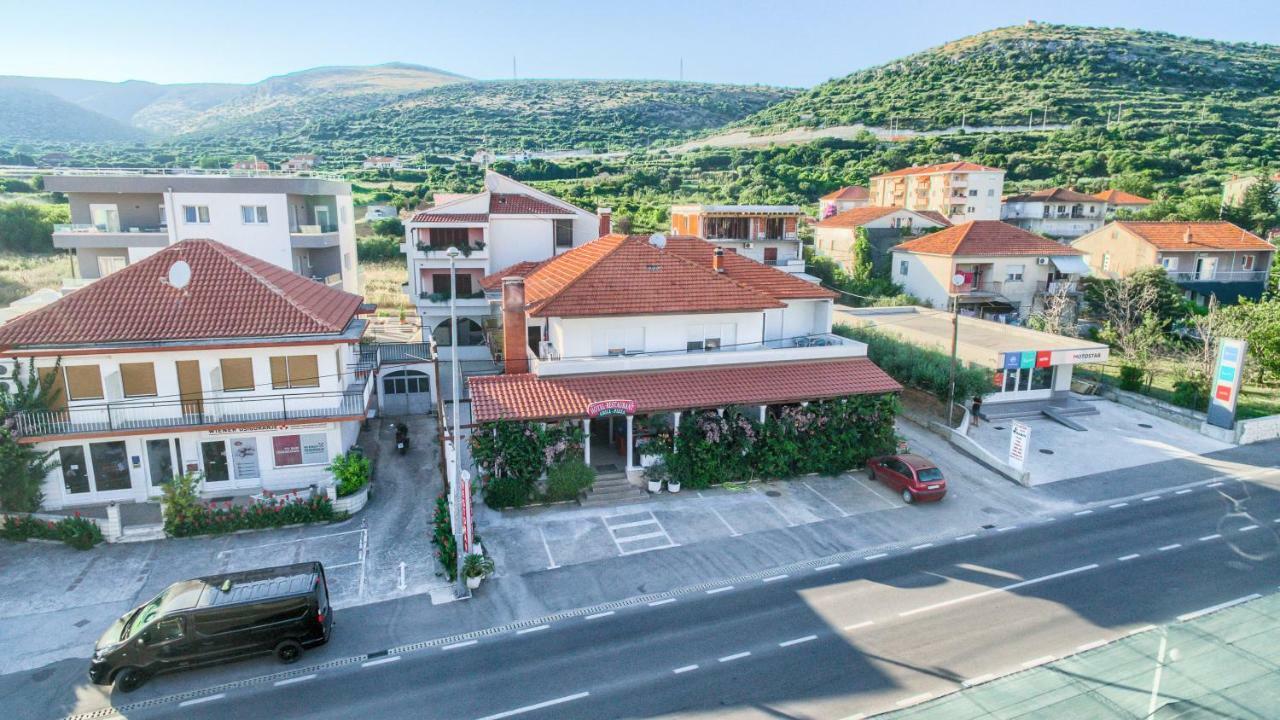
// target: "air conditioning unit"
[[1042, 261], [748, 245]]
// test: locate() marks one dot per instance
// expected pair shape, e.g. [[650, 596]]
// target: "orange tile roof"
[[1174, 236], [626, 275], [935, 216], [528, 397], [959, 166], [520, 269], [230, 295], [1120, 197], [516, 204], [856, 217], [1053, 194], [985, 238], [852, 192], [434, 217], [769, 280]]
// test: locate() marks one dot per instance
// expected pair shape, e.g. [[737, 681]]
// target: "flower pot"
[[673, 486], [474, 582], [655, 486]]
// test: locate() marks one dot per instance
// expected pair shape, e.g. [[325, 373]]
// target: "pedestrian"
[[973, 410]]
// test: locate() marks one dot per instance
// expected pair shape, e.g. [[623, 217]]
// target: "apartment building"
[[764, 233], [885, 227], [1203, 258], [988, 268], [1234, 189], [505, 224], [306, 225], [960, 191], [199, 358], [1060, 213], [655, 326], [846, 198]]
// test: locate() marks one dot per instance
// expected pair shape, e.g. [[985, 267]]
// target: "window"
[[84, 382], [1168, 263], [625, 341], [1247, 262], [563, 233], [139, 379], [775, 228], [1106, 261], [237, 374], [973, 193], [469, 333], [290, 450], [165, 630], [110, 466], [294, 371], [1042, 378], [214, 455], [970, 210], [902, 267], [195, 214], [253, 214], [991, 193], [1013, 273], [75, 474], [729, 228], [442, 238], [709, 337], [226, 620]]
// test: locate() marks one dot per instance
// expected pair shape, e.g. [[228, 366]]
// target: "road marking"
[[341, 565], [204, 699], [551, 561], [656, 603], [871, 490], [726, 588], [862, 624], [1005, 588], [1216, 608], [732, 532], [1123, 558], [1119, 505], [1155, 680], [735, 656], [977, 680], [533, 629], [1213, 484], [1182, 492], [1038, 661], [921, 547], [637, 523], [876, 556], [1007, 529], [775, 578], [1247, 528], [1150, 498], [775, 509], [1091, 646], [855, 716], [538, 706], [1174, 546], [380, 661], [1142, 629], [797, 641], [821, 568], [1207, 538], [291, 681], [643, 536], [842, 511], [685, 669], [970, 536], [606, 613], [464, 643], [1083, 512], [913, 699]]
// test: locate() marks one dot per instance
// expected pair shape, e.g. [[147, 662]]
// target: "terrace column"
[[675, 428], [763, 410], [586, 443], [630, 423]]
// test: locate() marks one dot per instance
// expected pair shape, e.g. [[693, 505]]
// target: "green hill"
[[31, 115]]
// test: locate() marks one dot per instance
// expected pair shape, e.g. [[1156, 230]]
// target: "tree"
[[1258, 211], [25, 228], [1164, 299], [389, 226], [1057, 312], [1258, 323], [1130, 321], [861, 267], [22, 467]]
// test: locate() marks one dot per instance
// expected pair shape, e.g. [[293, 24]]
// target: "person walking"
[[973, 410]]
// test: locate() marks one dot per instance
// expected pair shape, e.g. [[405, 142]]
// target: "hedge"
[[78, 532], [920, 368], [212, 519]]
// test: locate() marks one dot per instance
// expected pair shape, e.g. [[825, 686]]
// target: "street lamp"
[[455, 373], [956, 280]]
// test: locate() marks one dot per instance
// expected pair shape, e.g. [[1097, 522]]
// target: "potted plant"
[[673, 484], [475, 568], [654, 475]]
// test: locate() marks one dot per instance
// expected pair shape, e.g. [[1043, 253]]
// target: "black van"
[[278, 610]]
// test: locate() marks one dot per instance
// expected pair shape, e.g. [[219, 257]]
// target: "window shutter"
[[279, 373], [304, 371], [139, 379], [237, 373], [84, 382]]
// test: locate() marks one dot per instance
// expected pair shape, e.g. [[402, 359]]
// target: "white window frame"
[[199, 212], [253, 214], [1014, 273], [1106, 261], [1168, 263], [903, 266], [1247, 262]]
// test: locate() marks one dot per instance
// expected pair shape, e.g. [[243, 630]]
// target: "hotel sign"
[[1226, 383], [605, 408]]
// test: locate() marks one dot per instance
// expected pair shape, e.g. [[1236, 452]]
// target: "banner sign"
[[1076, 357], [466, 515], [1019, 441], [1045, 358], [1226, 378], [244, 458], [604, 408]]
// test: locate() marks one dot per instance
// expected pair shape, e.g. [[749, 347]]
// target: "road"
[[827, 641]]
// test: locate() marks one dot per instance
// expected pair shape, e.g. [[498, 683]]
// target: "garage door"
[[406, 392]]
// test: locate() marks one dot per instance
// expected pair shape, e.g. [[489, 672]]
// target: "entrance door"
[[406, 392], [75, 473], [106, 218], [771, 256], [164, 460], [190, 389], [1206, 267], [213, 453]]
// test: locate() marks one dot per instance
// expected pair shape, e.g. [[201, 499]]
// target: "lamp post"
[[956, 281], [455, 373]]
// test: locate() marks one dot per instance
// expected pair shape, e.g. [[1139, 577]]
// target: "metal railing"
[[1220, 276], [401, 352], [313, 229], [175, 172], [91, 228], [1055, 286], [547, 351], [441, 251], [987, 287]]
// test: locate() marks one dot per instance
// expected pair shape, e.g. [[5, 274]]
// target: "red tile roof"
[[527, 396], [853, 192], [985, 238], [514, 204], [935, 216], [940, 168], [432, 217], [1173, 236], [1053, 195], [856, 217], [520, 269], [230, 295], [626, 275], [1120, 197], [758, 276]]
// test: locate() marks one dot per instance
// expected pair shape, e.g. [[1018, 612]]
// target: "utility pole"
[[962, 117], [955, 341], [1044, 118]]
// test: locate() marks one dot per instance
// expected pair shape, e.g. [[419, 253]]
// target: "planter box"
[[352, 503]]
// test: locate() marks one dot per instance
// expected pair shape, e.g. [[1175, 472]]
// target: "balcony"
[[1227, 276], [979, 289], [818, 346], [1053, 287], [465, 300], [138, 417], [313, 236], [441, 252], [84, 235]]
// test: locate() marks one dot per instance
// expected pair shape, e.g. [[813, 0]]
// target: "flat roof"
[[981, 341], [194, 183]]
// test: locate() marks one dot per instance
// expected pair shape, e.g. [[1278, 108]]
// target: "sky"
[[736, 41]]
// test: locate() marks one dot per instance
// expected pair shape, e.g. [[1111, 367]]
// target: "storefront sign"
[[1028, 360], [263, 428], [604, 408], [1077, 357], [1012, 361], [315, 449], [466, 512], [244, 458], [1044, 359], [1226, 382], [1019, 441], [287, 450]]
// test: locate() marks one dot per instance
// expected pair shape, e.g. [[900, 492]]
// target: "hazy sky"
[[744, 41]]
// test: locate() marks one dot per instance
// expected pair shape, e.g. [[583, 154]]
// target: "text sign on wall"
[[1076, 357], [244, 458], [604, 408], [1019, 441], [1226, 382]]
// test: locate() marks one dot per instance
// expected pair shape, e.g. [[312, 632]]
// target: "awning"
[[1073, 264], [529, 397]]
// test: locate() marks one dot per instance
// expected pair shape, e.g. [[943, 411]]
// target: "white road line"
[[1182, 492], [1005, 588], [1119, 505], [862, 624], [1150, 498], [842, 511], [1038, 661], [1213, 484], [831, 566], [970, 536], [1247, 528], [1007, 529], [1083, 512], [775, 578], [914, 699], [732, 532], [726, 588], [775, 509], [538, 706], [637, 523], [977, 680], [1142, 629], [1124, 558], [606, 613], [539, 628], [1155, 680], [656, 603], [735, 656], [464, 643], [341, 565], [877, 556], [205, 699], [873, 492], [1174, 546], [1091, 646], [797, 641], [381, 661], [291, 681], [642, 536], [855, 716], [1207, 538], [921, 547], [684, 669], [551, 561], [1216, 608]]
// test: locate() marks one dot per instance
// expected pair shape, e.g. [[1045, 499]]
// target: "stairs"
[[141, 533], [612, 489]]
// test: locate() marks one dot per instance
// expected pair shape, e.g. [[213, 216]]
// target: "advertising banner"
[[1019, 442], [244, 458], [1226, 382]]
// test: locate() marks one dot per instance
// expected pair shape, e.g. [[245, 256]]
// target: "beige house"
[[1203, 258], [1121, 200], [846, 198], [1233, 190], [960, 191], [886, 226], [989, 268]]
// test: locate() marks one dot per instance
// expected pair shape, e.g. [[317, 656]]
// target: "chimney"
[[1186, 237], [717, 260], [606, 220], [515, 339]]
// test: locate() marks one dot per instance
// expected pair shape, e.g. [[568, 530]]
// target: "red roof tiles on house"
[[1120, 197], [935, 216], [430, 217], [758, 276], [985, 238], [1053, 195], [856, 217], [520, 269], [853, 192], [528, 397], [1187, 236], [230, 295], [513, 204], [940, 168]]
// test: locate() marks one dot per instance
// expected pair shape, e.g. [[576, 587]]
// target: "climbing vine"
[[513, 456]]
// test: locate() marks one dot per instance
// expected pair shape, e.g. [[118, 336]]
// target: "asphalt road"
[[865, 636]]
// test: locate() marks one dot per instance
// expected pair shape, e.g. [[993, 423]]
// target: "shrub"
[[506, 492], [567, 478], [477, 566], [78, 532], [379, 249], [351, 472], [917, 367], [1190, 389], [442, 538], [211, 519], [1131, 378], [180, 499], [512, 456]]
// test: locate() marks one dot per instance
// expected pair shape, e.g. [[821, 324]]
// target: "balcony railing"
[[443, 297], [441, 252], [547, 361], [67, 228], [313, 229], [1223, 276], [1051, 287], [983, 288], [220, 409]]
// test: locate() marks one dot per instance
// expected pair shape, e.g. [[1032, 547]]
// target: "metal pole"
[[955, 337], [455, 483]]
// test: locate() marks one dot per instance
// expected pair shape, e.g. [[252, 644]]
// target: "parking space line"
[[642, 536], [871, 490], [618, 542], [205, 699], [223, 553], [637, 523], [551, 561], [714, 511], [771, 506], [341, 565], [842, 511]]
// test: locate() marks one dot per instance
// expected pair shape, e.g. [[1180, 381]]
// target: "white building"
[[380, 212], [306, 225], [300, 163], [505, 224], [1056, 212], [382, 162], [764, 233], [960, 191], [991, 269], [198, 358], [885, 226], [846, 198]]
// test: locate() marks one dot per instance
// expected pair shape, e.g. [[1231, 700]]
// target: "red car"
[[911, 475]]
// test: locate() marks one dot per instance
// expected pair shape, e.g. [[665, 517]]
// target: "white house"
[[506, 223], [382, 162], [1056, 212], [300, 163], [885, 226], [1121, 200], [960, 191], [662, 325], [302, 224], [991, 269], [380, 212], [765, 233], [846, 198], [199, 358]]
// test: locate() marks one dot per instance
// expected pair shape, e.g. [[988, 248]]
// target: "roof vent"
[[179, 275], [658, 240], [225, 586], [653, 267]]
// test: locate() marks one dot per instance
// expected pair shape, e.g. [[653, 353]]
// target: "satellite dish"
[[179, 275], [957, 279], [658, 240]]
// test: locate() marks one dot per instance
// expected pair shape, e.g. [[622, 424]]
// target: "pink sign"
[[605, 408], [466, 517]]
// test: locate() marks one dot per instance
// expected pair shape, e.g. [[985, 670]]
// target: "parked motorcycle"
[[402, 438]]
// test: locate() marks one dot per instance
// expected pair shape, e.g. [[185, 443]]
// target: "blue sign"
[[1012, 361], [1227, 373], [1230, 353], [1028, 360]]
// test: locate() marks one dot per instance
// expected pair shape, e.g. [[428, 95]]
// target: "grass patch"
[[1255, 400], [22, 274], [382, 283]]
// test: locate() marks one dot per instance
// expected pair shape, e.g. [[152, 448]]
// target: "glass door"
[[322, 218], [75, 473], [214, 455], [164, 460], [105, 218]]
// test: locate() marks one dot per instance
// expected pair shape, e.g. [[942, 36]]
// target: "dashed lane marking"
[[830, 566], [1125, 558], [970, 536], [464, 643], [1207, 538], [656, 603], [1174, 546], [735, 656], [922, 546], [775, 578], [1007, 529], [205, 699], [685, 669], [1182, 492], [538, 628], [1214, 484], [380, 661], [598, 615], [1084, 512], [537, 706], [797, 641], [877, 556], [1247, 528], [290, 681], [1119, 505], [862, 624], [1149, 498], [726, 588]]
